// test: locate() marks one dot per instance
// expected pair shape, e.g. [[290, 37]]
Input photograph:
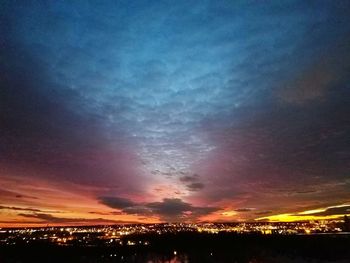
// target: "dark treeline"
[[192, 247]]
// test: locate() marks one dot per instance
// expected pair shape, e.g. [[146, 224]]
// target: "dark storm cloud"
[[174, 209], [116, 202], [169, 209]]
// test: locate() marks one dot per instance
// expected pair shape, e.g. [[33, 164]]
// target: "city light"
[[114, 235]]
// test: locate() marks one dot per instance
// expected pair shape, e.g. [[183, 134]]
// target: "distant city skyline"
[[162, 111]]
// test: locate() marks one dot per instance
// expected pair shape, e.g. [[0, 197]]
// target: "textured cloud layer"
[[186, 105]]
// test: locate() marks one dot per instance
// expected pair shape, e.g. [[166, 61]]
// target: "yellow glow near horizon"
[[314, 211], [303, 216], [293, 218]]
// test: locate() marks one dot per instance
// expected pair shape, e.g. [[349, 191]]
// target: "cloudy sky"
[[149, 111]]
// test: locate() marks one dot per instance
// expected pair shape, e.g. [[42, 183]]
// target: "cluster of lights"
[[312, 227], [115, 235]]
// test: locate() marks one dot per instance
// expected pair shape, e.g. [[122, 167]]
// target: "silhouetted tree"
[[346, 226]]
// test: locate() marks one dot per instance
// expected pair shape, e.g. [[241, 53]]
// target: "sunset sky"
[[153, 111]]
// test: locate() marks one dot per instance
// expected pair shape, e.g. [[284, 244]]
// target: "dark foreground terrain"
[[191, 247]]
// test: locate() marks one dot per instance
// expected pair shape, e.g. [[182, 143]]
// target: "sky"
[[157, 111]]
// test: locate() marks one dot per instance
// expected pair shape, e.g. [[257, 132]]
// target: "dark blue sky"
[[222, 110]]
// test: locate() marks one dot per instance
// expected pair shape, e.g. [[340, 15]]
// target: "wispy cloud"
[[48, 218]]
